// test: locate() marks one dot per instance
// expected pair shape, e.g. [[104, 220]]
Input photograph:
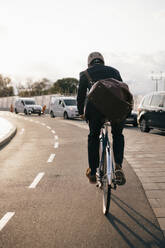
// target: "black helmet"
[[95, 56]]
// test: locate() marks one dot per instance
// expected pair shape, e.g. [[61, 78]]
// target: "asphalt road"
[[48, 201]]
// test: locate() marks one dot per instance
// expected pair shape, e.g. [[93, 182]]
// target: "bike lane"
[[75, 212], [144, 152], [131, 213]]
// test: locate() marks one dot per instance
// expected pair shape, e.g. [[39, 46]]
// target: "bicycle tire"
[[106, 199], [100, 169], [106, 188]]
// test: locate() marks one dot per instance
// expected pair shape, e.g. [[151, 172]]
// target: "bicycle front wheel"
[[106, 188], [106, 198]]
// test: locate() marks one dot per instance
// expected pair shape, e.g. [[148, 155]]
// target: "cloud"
[[160, 15], [136, 69], [3, 31]]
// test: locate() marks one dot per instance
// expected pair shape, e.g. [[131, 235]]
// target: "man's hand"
[[82, 117]]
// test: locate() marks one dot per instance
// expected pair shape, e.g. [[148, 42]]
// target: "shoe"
[[120, 177], [92, 178], [118, 166]]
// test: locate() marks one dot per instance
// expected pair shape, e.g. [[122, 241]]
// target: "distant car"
[[63, 107], [132, 119], [27, 106], [151, 112]]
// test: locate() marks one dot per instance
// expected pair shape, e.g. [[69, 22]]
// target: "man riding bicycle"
[[97, 71]]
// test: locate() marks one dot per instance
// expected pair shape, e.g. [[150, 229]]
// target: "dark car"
[[151, 112], [132, 119]]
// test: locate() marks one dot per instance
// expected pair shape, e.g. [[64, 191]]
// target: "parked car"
[[151, 112], [132, 119], [27, 106], [63, 107]]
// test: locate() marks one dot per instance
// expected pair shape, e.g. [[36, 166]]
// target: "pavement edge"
[[8, 137]]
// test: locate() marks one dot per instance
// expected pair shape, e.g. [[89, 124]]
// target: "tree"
[[5, 87], [66, 85], [34, 88], [45, 87]]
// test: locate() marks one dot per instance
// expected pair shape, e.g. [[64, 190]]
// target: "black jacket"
[[96, 72]]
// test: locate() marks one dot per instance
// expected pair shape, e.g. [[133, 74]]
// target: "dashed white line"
[[5, 219], [51, 158], [56, 145], [43, 124], [48, 127], [56, 137], [36, 180], [53, 131]]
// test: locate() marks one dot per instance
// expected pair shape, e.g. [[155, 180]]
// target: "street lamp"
[[163, 78], [156, 77]]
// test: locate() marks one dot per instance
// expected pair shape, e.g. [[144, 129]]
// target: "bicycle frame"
[[106, 179]]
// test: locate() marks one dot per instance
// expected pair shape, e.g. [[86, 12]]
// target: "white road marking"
[[82, 125], [53, 131], [56, 137], [43, 124], [5, 219], [51, 158], [36, 180], [56, 145], [48, 127], [22, 131]]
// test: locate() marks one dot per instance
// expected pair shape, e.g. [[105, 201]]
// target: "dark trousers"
[[93, 142]]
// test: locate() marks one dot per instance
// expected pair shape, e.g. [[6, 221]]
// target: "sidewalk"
[[7, 131], [148, 162]]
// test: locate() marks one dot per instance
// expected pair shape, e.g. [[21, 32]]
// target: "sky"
[[52, 39]]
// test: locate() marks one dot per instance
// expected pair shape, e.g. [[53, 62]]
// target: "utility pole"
[[163, 77], [156, 77]]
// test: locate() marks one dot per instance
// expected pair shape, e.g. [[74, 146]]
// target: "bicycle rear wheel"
[[106, 188]]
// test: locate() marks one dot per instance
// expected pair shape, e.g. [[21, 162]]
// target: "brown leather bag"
[[111, 97]]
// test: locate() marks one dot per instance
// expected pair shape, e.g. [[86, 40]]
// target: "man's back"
[[96, 72], [100, 71]]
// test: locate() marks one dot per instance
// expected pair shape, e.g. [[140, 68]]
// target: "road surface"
[[47, 202]]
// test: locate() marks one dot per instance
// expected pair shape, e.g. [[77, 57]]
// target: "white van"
[[27, 106], [63, 107]]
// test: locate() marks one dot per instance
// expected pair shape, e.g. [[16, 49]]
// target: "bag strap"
[[88, 76]]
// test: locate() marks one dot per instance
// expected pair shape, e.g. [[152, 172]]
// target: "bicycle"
[[106, 178]]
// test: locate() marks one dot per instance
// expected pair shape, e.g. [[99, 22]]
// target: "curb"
[[4, 141]]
